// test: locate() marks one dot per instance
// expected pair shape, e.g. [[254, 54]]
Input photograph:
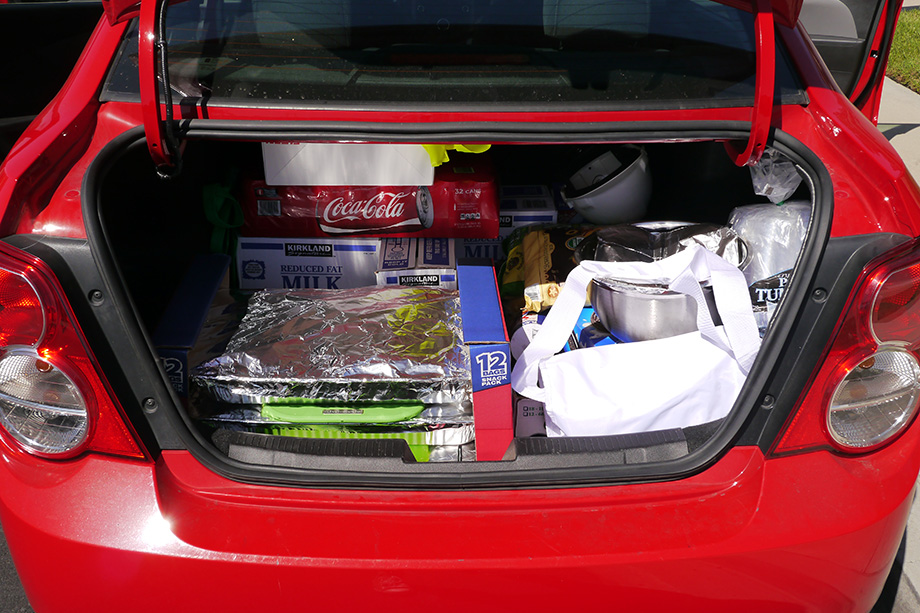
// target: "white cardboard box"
[[307, 263], [346, 164]]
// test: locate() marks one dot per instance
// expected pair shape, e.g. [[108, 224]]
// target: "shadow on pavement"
[[892, 130]]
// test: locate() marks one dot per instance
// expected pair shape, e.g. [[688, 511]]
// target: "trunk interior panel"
[[156, 228]]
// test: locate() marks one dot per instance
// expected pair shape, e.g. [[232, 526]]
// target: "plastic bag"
[[775, 176], [672, 382]]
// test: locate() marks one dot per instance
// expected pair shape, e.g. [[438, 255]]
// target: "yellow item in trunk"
[[438, 153]]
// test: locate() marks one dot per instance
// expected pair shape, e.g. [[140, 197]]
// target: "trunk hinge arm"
[[153, 67], [764, 87]]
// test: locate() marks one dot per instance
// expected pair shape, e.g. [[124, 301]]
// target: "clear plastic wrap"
[[774, 235], [775, 176], [356, 345]]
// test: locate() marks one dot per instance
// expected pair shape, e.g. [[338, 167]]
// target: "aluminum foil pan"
[[650, 241], [361, 344]]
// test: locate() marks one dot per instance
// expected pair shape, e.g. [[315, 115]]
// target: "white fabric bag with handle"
[[672, 382]]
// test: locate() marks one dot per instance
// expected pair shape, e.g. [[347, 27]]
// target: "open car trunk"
[[159, 232]]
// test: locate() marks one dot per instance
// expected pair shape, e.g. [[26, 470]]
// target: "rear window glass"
[[645, 53]]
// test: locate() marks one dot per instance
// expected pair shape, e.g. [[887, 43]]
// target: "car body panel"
[[815, 531], [201, 538], [61, 131], [42, 62]]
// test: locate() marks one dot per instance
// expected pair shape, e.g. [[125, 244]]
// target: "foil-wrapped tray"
[[353, 345], [650, 241]]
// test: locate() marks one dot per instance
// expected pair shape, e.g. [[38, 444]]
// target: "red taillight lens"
[[896, 312], [19, 304], [53, 400], [866, 390]]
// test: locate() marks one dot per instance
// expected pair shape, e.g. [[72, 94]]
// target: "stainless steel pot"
[[635, 312]]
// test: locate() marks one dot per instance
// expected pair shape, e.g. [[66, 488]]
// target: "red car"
[[127, 482]]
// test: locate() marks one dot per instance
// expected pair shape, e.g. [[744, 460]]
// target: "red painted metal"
[[150, 85], [764, 87], [813, 531], [57, 137], [719, 541]]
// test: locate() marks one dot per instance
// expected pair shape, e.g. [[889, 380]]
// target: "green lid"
[[307, 411]]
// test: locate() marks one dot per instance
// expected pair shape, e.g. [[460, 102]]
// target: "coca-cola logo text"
[[383, 206]]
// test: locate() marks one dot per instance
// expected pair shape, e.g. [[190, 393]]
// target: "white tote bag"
[[665, 383]]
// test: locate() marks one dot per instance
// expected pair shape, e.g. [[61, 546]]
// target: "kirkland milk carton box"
[[520, 205], [418, 261], [307, 263]]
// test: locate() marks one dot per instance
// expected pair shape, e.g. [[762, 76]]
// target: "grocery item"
[[528, 417], [520, 205], [619, 389], [418, 261], [346, 164], [344, 349], [587, 332], [367, 421], [548, 255], [774, 235], [198, 321], [362, 344], [462, 202], [614, 186], [634, 311], [656, 240], [775, 176], [306, 263]]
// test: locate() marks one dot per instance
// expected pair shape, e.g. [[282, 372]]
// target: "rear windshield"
[[640, 53]]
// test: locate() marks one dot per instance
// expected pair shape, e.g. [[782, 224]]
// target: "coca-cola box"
[[461, 203], [490, 357]]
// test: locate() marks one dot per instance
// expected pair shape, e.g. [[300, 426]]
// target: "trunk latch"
[[764, 87], [162, 141]]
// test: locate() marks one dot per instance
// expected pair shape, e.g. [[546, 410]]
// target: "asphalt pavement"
[[12, 598]]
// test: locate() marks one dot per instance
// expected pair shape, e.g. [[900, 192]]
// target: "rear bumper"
[[812, 532]]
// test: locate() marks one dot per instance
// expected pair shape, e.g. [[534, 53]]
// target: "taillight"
[[866, 391], [53, 400]]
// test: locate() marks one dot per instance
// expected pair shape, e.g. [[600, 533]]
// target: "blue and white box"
[[307, 263], [490, 358], [418, 261], [520, 205]]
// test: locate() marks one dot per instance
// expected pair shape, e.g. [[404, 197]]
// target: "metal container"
[[635, 312]]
